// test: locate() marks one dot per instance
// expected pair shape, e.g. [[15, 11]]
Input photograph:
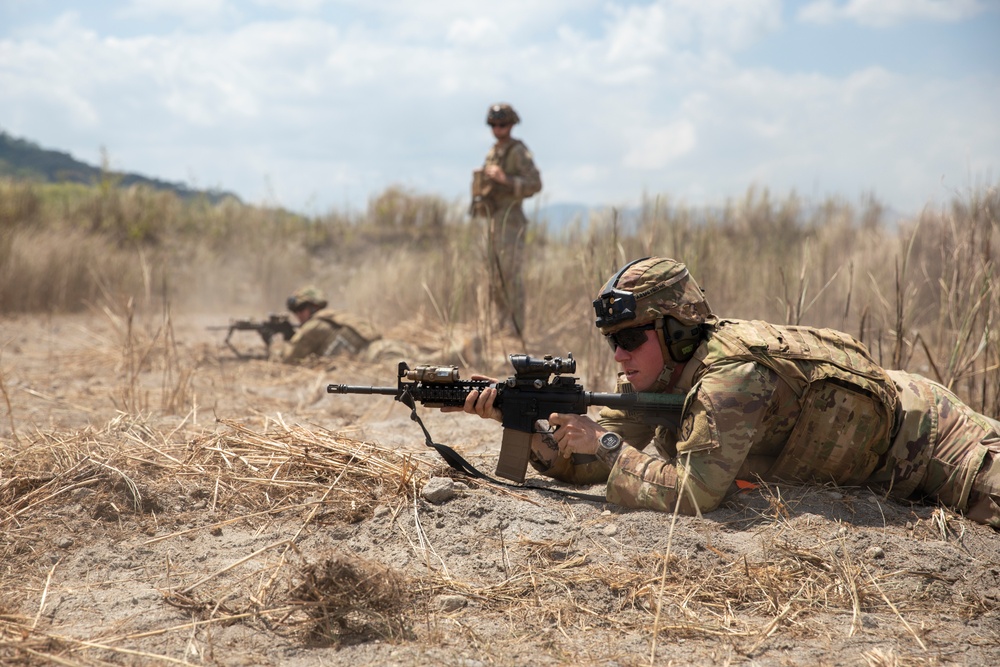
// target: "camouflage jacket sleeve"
[[633, 431], [720, 424], [527, 179]]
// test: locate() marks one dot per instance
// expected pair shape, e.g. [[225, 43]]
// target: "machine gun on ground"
[[274, 325], [537, 389]]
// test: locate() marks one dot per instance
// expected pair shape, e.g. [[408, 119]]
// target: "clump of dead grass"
[[259, 469], [125, 467], [122, 471], [346, 599], [22, 646]]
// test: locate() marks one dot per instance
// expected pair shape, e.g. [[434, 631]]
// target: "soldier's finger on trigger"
[[555, 421]]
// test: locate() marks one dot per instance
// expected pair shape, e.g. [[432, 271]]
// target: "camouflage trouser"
[[984, 499], [944, 451], [505, 253]]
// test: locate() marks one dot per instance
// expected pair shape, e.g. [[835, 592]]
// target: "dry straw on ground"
[[307, 480], [164, 503]]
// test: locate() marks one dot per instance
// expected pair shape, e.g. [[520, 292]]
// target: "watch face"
[[611, 441]]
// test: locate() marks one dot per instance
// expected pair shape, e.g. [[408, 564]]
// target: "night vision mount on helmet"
[[615, 306], [502, 114]]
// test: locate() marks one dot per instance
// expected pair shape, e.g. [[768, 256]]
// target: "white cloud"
[[192, 12], [655, 148], [884, 13], [473, 31], [511, 14], [642, 32], [307, 6], [617, 100]]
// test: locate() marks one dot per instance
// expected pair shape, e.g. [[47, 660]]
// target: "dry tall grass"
[[923, 294]]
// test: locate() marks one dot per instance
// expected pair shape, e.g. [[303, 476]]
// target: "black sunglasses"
[[630, 339]]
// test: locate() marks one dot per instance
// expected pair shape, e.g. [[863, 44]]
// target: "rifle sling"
[[458, 462]]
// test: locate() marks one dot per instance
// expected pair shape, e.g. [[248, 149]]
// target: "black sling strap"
[[458, 462]]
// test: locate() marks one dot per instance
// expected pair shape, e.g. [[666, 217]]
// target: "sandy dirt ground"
[[164, 502]]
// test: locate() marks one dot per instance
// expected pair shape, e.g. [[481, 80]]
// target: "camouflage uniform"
[[329, 333], [326, 333], [943, 450], [796, 404], [501, 204]]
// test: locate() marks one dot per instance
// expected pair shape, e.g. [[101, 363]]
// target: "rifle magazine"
[[515, 449]]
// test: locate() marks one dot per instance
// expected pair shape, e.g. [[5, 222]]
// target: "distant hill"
[[25, 160]]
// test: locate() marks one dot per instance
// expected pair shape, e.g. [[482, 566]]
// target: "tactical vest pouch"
[[481, 188], [346, 341], [481, 185], [839, 436]]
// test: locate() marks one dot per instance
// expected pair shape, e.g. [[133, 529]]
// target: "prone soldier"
[[323, 331], [761, 401]]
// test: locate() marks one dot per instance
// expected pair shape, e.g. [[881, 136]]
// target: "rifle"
[[537, 389], [274, 324], [481, 188]]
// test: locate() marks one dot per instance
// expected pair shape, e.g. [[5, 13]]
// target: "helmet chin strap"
[[672, 366], [665, 381], [661, 338]]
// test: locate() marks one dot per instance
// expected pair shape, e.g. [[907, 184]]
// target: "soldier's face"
[[303, 314], [643, 365], [501, 131]]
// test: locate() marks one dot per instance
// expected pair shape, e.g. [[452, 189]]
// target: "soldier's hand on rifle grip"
[[480, 402], [577, 434]]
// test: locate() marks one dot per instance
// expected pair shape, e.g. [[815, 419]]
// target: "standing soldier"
[[508, 176]]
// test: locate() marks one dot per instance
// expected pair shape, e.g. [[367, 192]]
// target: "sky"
[[320, 105]]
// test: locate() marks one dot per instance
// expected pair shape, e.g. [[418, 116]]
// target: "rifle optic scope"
[[525, 366]]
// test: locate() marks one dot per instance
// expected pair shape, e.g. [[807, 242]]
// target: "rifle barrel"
[[640, 400], [355, 389]]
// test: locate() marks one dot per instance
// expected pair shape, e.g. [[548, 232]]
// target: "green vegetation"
[[25, 160]]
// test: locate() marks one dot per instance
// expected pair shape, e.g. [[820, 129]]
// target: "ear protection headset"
[[681, 340]]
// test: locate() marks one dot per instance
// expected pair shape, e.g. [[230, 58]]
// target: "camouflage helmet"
[[647, 289], [306, 296], [502, 114]]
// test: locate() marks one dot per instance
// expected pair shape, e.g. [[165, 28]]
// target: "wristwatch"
[[609, 448]]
